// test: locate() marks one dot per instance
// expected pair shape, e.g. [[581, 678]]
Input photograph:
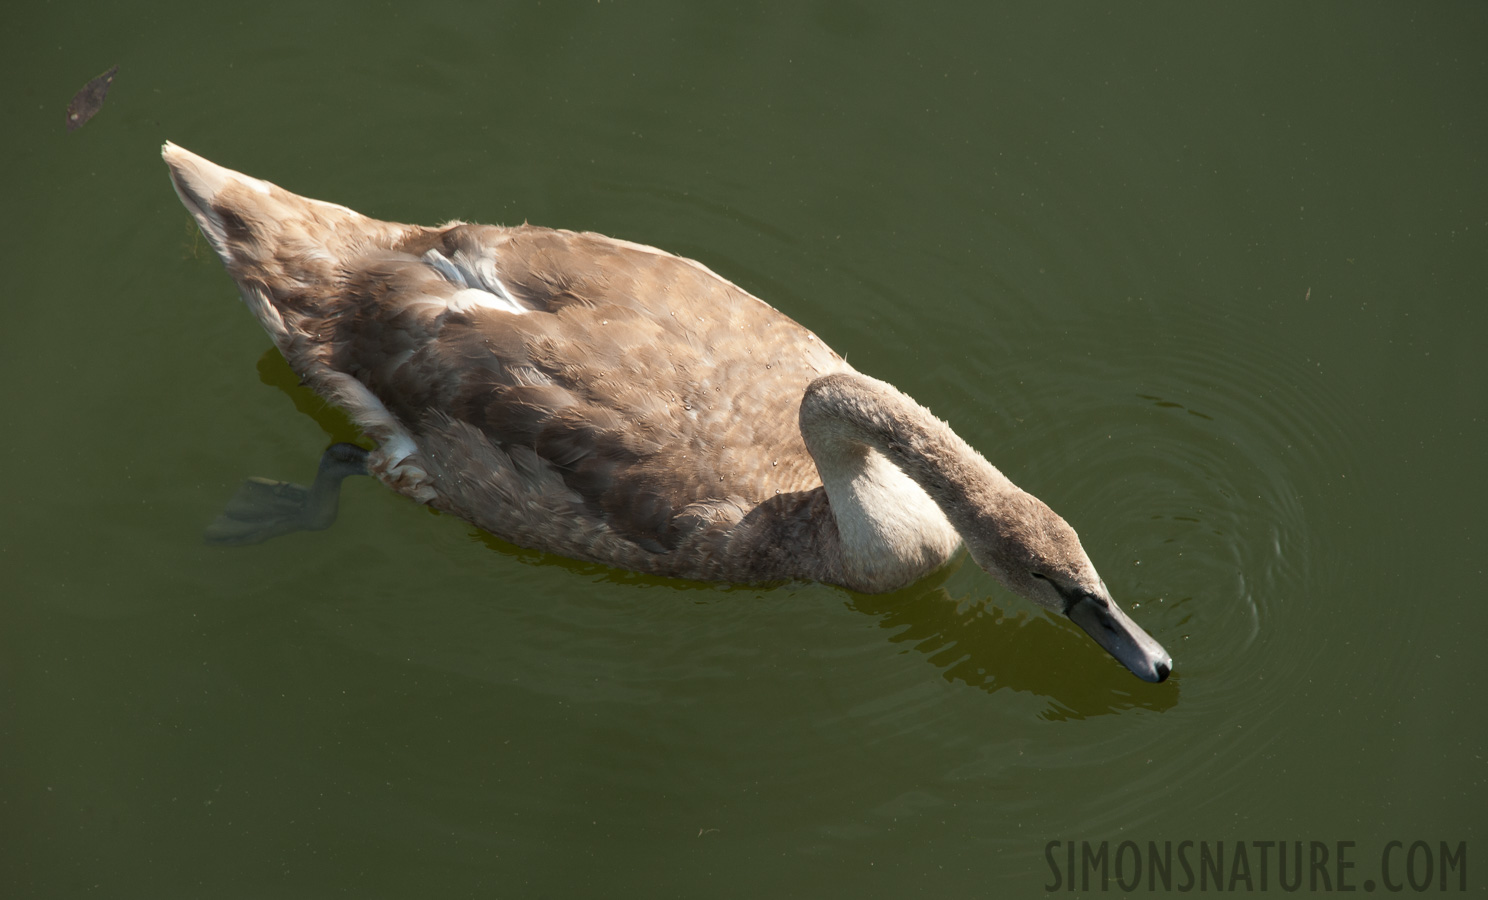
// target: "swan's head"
[[1028, 547]]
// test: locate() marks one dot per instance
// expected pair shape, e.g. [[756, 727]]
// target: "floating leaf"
[[86, 102]]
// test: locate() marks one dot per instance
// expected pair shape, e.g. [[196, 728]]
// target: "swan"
[[613, 402]]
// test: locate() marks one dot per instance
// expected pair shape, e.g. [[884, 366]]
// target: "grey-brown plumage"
[[612, 402]]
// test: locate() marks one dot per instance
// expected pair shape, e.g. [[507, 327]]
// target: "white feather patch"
[[472, 298], [480, 286]]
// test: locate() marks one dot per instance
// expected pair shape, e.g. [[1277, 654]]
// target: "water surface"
[[1207, 281]]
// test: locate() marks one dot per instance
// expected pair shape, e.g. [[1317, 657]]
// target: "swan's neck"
[[903, 486]]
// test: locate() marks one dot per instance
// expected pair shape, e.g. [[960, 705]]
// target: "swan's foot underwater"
[[262, 509]]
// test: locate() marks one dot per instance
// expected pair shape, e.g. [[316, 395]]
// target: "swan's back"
[[569, 392]]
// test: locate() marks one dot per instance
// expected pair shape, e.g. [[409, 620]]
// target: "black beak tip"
[[1163, 669]]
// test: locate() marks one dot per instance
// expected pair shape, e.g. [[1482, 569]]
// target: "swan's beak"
[[1124, 639]]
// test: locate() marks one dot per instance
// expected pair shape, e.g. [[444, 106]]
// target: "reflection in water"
[[275, 372], [979, 645]]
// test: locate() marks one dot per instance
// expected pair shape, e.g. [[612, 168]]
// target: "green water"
[[1209, 281]]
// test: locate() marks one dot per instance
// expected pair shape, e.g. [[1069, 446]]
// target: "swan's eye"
[[1040, 576]]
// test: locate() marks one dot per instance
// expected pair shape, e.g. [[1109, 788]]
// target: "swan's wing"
[[594, 377]]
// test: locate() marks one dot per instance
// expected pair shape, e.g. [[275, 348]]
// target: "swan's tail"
[[282, 249], [250, 221], [291, 256], [213, 195]]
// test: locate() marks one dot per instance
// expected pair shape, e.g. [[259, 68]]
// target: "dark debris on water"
[[87, 102]]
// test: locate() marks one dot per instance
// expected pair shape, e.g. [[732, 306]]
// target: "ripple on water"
[[1200, 467]]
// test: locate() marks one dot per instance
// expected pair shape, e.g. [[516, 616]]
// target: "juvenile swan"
[[612, 402]]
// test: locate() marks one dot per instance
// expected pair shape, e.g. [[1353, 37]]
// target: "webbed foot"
[[262, 509]]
